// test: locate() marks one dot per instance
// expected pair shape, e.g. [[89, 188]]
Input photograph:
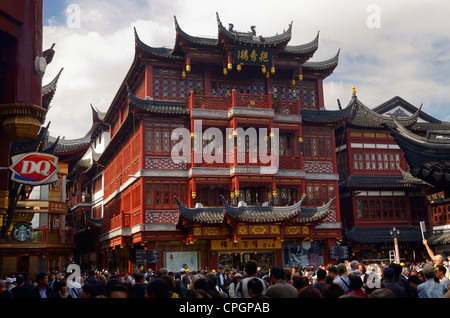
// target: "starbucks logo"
[[22, 232]]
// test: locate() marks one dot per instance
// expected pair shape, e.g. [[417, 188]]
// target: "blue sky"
[[408, 55]]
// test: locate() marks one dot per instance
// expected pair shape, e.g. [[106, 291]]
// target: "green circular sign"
[[22, 232]]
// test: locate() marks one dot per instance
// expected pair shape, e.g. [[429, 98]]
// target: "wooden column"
[[149, 80], [320, 98]]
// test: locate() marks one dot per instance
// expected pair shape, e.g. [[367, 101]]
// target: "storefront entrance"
[[235, 259]]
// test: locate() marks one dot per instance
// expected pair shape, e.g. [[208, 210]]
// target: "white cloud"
[[400, 58]]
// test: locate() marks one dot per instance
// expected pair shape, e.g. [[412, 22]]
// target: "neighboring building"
[[377, 192], [185, 213], [428, 157], [85, 193], [32, 233]]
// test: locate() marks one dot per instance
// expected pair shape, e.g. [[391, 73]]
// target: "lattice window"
[[381, 208]]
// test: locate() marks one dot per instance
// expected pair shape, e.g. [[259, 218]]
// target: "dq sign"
[[34, 168]]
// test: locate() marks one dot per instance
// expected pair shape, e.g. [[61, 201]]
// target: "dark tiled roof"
[[323, 66], [194, 39], [48, 91], [303, 48], [250, 38], [255, 214], [375, 182], [157, 106], [66, 145], [382, 234], [428, 158], [324, 116], [263, 213], [155, 51], [443, 238], [202, 215], [363, 116], [314, 214], [429, 122]]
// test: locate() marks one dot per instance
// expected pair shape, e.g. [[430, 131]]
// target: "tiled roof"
[[251, 38], [255, 214], [303, 48], [382, 234], [48, 91], [323, 66], [428, 158], [157, 106], [442, 238], [325, 116], [363, 116], [202, 215], [375, 182]]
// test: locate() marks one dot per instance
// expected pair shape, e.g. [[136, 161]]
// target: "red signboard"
[[34, 168]]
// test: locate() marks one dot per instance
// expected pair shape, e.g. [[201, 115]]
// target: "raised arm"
[[429, 250]]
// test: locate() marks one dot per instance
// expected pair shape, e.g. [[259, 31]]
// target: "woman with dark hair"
[[356, 284], [63, 288]]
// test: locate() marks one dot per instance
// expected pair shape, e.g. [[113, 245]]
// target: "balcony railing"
[[250, 159], [244, 101], [44, 235]]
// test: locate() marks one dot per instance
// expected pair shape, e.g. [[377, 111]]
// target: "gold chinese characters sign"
[[250, 244], [253, 55]]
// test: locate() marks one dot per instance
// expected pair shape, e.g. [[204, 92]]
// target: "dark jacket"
[[48, 291], [398, 290], [21, 292]]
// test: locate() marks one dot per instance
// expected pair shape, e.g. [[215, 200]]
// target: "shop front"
[[230, 254]]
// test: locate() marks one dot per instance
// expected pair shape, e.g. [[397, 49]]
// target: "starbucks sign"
[[22, 232]]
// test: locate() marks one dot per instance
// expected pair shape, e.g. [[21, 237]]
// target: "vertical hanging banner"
[[252, 55]]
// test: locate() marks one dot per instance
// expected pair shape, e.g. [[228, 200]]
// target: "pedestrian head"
[[309, 292], [251, 267], [321, 274], [355, 281], [255, 287], [341, 269], [42, 278], [429, 271], [88, 291], [277, 272], [388, 273], [157, 288]]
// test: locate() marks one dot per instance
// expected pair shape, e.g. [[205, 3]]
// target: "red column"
[[320, 98], [149, 80]]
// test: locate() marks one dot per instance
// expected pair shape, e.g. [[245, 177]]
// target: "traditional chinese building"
[[428, 159], [377, 190], [202, 213]]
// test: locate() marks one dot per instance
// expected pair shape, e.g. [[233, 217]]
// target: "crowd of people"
[[349, 279], [344, 280]]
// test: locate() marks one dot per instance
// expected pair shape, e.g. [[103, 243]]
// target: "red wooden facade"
[[198, 80], [376, 190]]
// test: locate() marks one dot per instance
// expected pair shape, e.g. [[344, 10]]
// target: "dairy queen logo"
[[22, 232], [34, 168]]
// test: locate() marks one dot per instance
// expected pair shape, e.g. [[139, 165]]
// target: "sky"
[[387, 48]]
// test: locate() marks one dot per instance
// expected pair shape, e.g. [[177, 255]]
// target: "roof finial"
[[353, 91]]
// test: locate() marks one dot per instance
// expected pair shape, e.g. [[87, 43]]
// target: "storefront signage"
[[251, 244], [252, 55], [21, 232], [147, 256], [436, 197], [34, 168]]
